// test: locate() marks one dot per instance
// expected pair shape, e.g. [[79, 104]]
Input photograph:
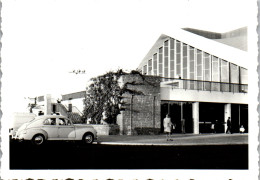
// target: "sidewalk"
[[178, 139]]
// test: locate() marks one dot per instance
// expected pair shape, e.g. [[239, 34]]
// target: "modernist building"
[[204, 78]]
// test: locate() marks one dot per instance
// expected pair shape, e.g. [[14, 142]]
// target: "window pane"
[[178, 58], [199, 65], [224, 71], [207, 64], [192, 63], [172, 58], [155, 64], [145, 69], [215, 69], [235, 73], [243, 73], [160, 62], [150, 67], [184, 61], [166, 58]]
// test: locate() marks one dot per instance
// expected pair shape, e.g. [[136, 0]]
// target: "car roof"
[[50, 116]]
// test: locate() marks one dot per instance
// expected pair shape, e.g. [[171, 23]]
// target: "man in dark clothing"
[[183, 126], [228, 126]]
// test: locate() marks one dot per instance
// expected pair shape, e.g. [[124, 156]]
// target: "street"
[[69, 155]]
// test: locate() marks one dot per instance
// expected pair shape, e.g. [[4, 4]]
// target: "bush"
[[114, 130]]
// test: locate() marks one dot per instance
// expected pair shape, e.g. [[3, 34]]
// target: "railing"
[[205, 85]]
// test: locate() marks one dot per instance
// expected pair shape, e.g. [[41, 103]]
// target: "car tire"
[[38, 140], [88, 138]]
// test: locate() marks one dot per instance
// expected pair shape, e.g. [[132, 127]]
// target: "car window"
[[68, 122], [62, 122], [50, 121]]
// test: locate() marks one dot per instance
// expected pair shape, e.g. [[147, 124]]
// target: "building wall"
[[142, 111]]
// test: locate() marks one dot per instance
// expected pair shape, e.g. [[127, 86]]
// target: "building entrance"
[[239, 117], [211, 113], [178, 111]]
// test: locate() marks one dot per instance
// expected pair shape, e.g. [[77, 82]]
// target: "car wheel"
[[88, 138], [38, 139]]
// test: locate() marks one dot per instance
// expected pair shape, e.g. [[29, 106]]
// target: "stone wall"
[[106, 129], [142, 111]]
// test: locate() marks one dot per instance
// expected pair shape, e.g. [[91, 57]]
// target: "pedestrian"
[[213, 127], [183, 126], [173, 127], [167, 124], [89, 121], [228, 126], [242, 129]]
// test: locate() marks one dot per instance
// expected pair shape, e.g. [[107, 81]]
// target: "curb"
[[163, 144]]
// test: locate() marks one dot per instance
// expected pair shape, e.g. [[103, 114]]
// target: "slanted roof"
[[236, 38], [220, 50]]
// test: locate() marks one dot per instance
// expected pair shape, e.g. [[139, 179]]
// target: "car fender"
[[31, 132], [80, 132]]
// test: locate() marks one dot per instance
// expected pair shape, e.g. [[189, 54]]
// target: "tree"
[[104, 95]]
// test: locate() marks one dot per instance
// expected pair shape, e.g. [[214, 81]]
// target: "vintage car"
[[54, 127]]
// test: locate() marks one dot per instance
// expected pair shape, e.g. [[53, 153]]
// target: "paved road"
[[178, 139], [57, 155]]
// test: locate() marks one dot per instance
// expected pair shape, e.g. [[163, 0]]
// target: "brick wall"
[[145, 109]]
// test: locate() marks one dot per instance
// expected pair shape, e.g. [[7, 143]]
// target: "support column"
[[195, 117], [47, 105], [227, 114]]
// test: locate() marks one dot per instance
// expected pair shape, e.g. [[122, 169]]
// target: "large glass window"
[[199, 69], [178, 58], [224, 75], [199, 64], [150, 67], [243, 75], [172, 58], [224, 71], [192, 67], [166, 58], [185, 65], [155, 64], [234, 77], [215, 74], [185, 61], [160, 61], [234, 73], [145, 69], [207, 75]]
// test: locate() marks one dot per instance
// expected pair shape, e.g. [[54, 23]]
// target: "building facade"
[[203, 81]]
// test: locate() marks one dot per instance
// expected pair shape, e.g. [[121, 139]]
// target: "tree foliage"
[[104, 95]]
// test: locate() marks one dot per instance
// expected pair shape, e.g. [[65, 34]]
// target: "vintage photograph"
[[91, 89]]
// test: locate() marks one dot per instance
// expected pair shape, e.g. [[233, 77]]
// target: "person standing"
[[183, 126], [242, 129], [228, 126], [213, 127], [167, 124]]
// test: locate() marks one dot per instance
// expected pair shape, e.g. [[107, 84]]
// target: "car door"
[[49, 125], [66, 130]]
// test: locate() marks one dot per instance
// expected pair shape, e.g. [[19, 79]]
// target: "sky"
[[45, 40]]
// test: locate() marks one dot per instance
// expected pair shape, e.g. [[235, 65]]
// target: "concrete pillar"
[[119, 121], [47, 104], [227, 114], [195, 117]]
